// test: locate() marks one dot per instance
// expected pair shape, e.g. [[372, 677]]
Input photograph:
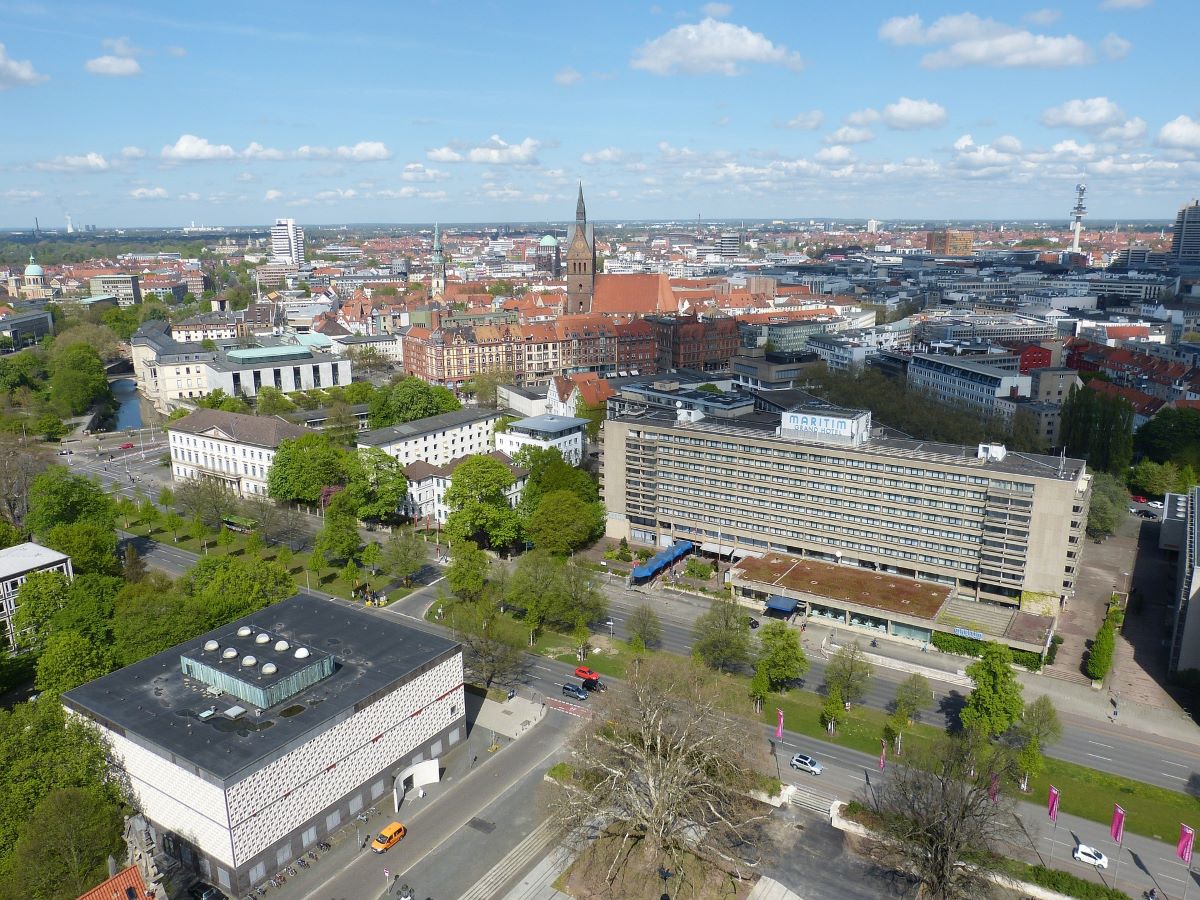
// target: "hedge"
[[1057, 880], [1052, 653], [1100, 657], [965, 646]]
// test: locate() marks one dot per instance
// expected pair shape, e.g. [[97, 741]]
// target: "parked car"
[[1091, 856], [1155, 504], [594, 685], [65, 452], [128, 445], [586, 674], [1146, 514], [751, 621], [807, 764], [1138, 499], [574, 691], [389, 837], [202, 891]]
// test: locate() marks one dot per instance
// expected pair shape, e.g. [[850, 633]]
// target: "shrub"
[[1100, 657], [1052, 653], [698, 568], [965, 646]]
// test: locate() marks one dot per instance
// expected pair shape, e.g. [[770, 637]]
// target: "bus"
[[240, 524]]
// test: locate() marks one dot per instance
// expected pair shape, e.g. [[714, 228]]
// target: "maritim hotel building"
[[821, 483], [247, 745]]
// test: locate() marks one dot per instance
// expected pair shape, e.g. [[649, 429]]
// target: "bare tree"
[[849, 671], [667, 768], [941, 809], [206, 499], [493, 646]]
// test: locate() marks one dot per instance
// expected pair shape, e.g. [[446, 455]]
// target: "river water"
[[129, 404]]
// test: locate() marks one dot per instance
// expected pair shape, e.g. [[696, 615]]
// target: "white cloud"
[[969, 40], [336, 194], [1182, 132], [88, 162], [838, 153], [1089, 113], [148, 193], [1006, 143], [606, 155], [418, 172], [189, 147], [1072, 148], [115, 66], [1042, 16], [497, 152], [1130, 130], [716, 10], [190, 195], [863, 117], [20, 196], [567, 77], [444, 155], [1114, 46], [848, 134], [272, 194], [807, 121], [907, 114], [132, 152], [364, 151], [120, 46], [17, 72], [257, 151], [1125, 4], [711, 47], [984, 160]]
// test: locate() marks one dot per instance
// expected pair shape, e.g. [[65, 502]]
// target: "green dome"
[[548, 241]]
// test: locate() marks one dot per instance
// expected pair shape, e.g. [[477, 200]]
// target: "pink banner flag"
[[994, 788], [1052, 804], [1117, 829], [1187, 837], [882, 754], [779, 724]]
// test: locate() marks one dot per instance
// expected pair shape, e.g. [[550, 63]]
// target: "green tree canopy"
[[721, 636], [404, 554], [270, 401], [377, 483], [468, 570], [39, 600], [562, 522], [1099, 428], [644, 623], [409, 399], [78, 380], [478, 502], [92, 547], [1108, 507], [67, 660], [231, 586], [339, 537], [152, 615], [848, 672], [780, 657], [1173, 435], [995, 703], [58, 497], [218, 399], [303, 466]]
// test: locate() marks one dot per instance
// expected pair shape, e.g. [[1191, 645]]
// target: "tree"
[[65, 844], [39, 599], [339, 537], [644, 623], [404, 555], [56, 497], [341, 426], [581, 600], [995, 702], [1171, 435], [1030, 762], [351, 573], [913, 695], [832, 708], [78, 380], [132, 568], [760, 687], [1098, 427], [318, 563], [479, 505], [848, 672], [172, 521], [20, 464], [166, 498], [721, 636], [484, 386], [377, 483], [1100, 654], [151, 615], [50, 427], [938, 810], [409, 399], [303, 466], [218, 399], [493, 645], [667, 764], [254, 545], [1155, 479], [270, 401], [468, 570], [1039, 723], [67, 660], [227, 587], [370, 556], [283, 556], [206, 499], [92, 547], [780, 657], [562, 522], [10, 535]]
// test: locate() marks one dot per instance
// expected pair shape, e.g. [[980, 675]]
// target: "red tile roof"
[[638, 294], [116, 886]]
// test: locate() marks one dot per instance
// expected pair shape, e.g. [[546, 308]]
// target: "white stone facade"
[[242, 467]]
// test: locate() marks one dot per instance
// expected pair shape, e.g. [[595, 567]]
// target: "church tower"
[[437, 281], [581, 261]]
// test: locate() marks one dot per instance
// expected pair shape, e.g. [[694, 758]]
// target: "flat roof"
[[849, 584], [548, 423], [24, 557], [408, 430], [151, 703]]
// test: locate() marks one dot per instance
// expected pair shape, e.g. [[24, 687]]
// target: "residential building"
[[692, 342], [247, 745], [964, 382], [567, 434], [234, 449], [427, 484], [287, 242], [390, 347], [1052, 384], [1184, 648], [819, 482], [214, 326], [756, 368], [1185, 237], [435, 440], [949, 243], [565, 394], [16, 564], [126, 288]]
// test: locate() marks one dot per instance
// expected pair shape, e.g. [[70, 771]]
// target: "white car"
[[1090, 855], [806, 764], [1155, 504]]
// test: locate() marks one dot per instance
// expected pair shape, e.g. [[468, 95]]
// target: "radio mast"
[[1078, 213]]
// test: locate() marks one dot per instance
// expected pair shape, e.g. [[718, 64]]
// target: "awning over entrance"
[[782, 604], [663, 559], [719, 549]]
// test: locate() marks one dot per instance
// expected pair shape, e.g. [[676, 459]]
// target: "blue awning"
[[782, 604], [662, 559]]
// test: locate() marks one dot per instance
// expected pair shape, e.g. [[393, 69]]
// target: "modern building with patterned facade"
[[232, 448], [16, 564], [820, 482], [249, 744]]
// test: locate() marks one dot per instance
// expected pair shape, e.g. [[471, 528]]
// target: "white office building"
[[435, 440], [965, 383], [567, 434], [287, 242], [16, 564], [232, 448]]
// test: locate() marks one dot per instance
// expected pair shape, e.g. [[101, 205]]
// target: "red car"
[[1137, 499], [586, 674], [127, 446]]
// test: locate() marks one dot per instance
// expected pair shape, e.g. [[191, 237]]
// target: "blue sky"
[[167, 113]]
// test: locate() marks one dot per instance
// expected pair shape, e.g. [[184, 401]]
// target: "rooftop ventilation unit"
[[235, 712]]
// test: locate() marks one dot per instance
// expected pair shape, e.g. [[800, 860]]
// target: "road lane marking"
[[1167, 762], [1098, 744], [1176, 777], [1098, 756]]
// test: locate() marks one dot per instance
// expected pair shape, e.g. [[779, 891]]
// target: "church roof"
[[33, 270], [634, 294], [548, 241]]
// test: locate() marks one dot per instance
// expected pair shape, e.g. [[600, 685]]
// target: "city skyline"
[[664, 112]]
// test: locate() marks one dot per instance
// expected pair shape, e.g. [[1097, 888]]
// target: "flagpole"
[[1117, 869]]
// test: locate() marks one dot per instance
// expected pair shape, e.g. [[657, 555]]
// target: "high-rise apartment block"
[[287, 242], [1185, 240], [950, 243]]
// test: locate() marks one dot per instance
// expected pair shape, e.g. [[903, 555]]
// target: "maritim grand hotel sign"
[[834, 426]]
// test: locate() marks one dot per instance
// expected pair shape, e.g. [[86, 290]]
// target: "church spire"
[[437, 238], [580, 209]]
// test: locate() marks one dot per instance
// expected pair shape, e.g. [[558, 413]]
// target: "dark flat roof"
[[150, 703]]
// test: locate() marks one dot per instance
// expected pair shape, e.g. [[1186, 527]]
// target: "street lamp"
[[664, 873]]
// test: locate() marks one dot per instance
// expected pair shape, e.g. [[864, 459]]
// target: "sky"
[[160, 114]]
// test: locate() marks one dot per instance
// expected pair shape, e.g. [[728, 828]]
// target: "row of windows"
[[219, 446]]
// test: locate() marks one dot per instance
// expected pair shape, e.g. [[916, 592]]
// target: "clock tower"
[[580, 261]]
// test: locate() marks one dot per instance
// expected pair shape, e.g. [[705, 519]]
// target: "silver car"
[[806, 764]]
